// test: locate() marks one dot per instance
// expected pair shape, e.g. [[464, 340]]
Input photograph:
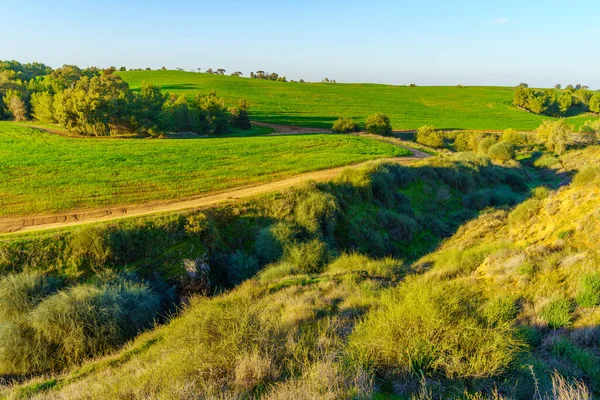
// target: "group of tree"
[[327, 80], [268, 76], [556, 103], [377, 123], [98, 102]]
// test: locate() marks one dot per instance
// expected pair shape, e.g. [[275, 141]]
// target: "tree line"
[[99, 102], [556, 103]]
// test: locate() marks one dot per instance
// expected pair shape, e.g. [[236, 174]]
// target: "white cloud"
[[499, 21]]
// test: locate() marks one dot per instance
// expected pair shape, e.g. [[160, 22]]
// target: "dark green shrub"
[[309, 257], [502, 151], [90, 249], [20, 293], [272, 240], [477, 200], [378, 124], [81, 322], [241, 266], [399, 227], [239, 117], [557, 313], [589, 292], [344, 125], [315, 211]]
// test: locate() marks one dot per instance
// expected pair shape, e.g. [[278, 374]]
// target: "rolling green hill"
[[43, 172], [319, 104]]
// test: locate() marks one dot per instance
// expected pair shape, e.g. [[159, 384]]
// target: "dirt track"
[[46, 222], [79, 217]]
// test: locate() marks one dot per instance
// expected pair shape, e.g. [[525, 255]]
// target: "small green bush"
[[557, 313], [316, 212], [589, 292], [277, 271], [378, 124], [513, 137], [90, 249], [540, 192], [344, 125], [523, 212], [20, 293], [80, 322], [309, 257], [428, 136], [484, 145], [502, 151], [241, 266], [272, 240], [427, 328]]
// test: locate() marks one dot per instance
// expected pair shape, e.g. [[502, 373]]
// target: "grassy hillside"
[[42, 172], [289, 331], [319, 104]]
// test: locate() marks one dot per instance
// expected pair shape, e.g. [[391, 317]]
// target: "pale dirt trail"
[[80, 217]]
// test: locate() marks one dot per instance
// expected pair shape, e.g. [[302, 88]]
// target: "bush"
[[589, 292], [272, 240], [241, 266], [555, 135], [428, 136], [427, 328], [81, 322], [90, 249], [557, 313], [502, 151], [484, 145], [344, 125], [315, 211], [20, 293], [309, 257], [239, 117], [378, 124], [523, 212], [513, 137]]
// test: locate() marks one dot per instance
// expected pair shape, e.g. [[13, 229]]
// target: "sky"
[[441, 42]]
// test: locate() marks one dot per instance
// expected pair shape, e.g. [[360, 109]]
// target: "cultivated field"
[[46, 173], [319, 104]]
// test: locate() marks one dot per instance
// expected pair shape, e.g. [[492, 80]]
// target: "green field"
[[42, 172], [319, 104]]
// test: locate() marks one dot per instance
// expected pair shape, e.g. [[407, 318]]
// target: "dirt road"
[[46, 222]]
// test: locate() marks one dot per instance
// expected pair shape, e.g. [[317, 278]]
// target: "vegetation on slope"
[[289, 325], [48, 173], [320, 104]]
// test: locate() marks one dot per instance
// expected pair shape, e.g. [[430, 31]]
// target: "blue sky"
[[398, 42]]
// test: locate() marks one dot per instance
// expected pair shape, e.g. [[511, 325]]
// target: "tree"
[[212, 112], [122, 69], [557, 86], [502, 151], [221, 71], [564, 102], [555, 135], [239, 117], [570, 87], [209, 71], [594, 104], [344, 125], [379, 124], [15, 105], [578, 86], [521, 96], [513, 137], [149, 105], [42, 107], [523, 85], [428, 136], [237, 73]]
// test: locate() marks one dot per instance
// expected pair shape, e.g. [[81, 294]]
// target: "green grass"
[[319, 104], [42, 172]]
